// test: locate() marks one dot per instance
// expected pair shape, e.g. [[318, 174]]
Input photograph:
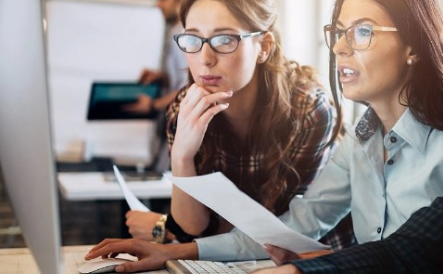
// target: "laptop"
[[108, 99]]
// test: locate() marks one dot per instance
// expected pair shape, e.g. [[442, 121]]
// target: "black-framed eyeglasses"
[[357, 36], [223, 43]]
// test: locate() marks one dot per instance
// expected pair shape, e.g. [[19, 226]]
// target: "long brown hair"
[[276, 122]]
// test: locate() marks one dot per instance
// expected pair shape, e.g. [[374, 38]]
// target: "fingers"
[[108, 248], [310, 255], [199, 102], [279, 255]]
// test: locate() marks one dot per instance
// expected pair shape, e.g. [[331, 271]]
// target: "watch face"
[[157, 232]]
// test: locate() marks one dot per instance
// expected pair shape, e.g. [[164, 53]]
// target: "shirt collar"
[[408, 124], [367, 125]]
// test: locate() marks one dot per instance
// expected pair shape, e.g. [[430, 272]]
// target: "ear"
[[412, 57], [266, 43]]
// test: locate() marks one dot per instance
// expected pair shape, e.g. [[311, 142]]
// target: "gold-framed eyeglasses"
[[222, 43], [357, 36]]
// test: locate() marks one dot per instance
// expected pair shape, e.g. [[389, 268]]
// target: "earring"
[[410, 61]]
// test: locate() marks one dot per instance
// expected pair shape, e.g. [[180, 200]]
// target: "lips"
[[347, 74], [210, 79]]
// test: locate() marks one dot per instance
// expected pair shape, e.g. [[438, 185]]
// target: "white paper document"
[[221, 195], [133, 202]]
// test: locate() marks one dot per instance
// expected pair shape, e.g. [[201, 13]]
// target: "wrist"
[[182, 166], [159, 230]]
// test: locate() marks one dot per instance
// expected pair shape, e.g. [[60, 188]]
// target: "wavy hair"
[[273, 125], [420, 25]]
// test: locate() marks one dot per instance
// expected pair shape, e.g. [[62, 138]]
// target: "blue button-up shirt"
[[382, 194]]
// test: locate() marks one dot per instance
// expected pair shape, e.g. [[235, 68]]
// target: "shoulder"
[[174, 107], [313, 103]]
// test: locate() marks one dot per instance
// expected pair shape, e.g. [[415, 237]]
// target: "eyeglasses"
[[223, 43], [358, 36]]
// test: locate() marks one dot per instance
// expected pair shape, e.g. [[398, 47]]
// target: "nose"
[[342, 47], [207, 55]]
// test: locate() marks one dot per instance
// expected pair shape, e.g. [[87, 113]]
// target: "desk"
[[20, 260], [81, 186]]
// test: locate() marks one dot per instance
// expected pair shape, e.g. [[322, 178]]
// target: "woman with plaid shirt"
[[260, 119]]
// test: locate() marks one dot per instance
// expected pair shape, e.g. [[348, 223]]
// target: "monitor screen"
[[25, 137]]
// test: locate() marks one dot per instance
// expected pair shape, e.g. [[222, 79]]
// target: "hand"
[[140, 224], [144, 104], [285, 269], [147, 76], [150, 255], [196, 111], [279, 255]]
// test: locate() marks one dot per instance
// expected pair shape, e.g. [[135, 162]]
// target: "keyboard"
[[202, 267]]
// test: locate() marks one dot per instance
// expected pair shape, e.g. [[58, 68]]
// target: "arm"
[[189, 122], [414, 248]]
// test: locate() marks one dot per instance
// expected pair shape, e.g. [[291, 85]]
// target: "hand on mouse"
[[150, 255]]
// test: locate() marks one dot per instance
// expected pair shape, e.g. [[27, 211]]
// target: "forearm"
[[187, 251], [374, 257], [413, 248], [191, 215]]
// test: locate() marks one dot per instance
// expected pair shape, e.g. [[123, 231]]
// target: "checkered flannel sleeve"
[[414, 248]]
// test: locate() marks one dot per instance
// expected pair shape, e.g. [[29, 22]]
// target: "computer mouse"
[[101, 265]]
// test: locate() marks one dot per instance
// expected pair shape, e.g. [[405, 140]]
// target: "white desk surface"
[[78, 186], [20, 261]]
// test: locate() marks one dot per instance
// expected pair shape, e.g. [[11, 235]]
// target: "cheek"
[[193, 64], [242, 69]]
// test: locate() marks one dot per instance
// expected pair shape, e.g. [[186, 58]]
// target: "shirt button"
[[390, 162], [379, 230], [393, 139]]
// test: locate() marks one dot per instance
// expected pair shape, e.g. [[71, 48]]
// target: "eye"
[[191, 40], [363, 31], [223, 40]]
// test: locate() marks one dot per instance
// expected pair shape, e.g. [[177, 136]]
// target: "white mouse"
[[101, 266]]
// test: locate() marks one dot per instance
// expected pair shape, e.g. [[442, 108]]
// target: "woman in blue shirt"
[[388, 54]]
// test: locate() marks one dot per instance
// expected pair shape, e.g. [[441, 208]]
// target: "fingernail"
[[225, 105], [229, 93]]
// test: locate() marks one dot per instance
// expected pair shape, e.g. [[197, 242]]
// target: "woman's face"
[[214, 71], [377, 74]]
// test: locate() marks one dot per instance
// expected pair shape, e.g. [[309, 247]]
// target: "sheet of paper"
[[133, 202], [221, 195]]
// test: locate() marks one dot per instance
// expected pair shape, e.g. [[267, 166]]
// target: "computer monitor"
[[25, 137]]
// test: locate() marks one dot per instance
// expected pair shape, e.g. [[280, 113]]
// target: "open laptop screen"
[[108, 99]]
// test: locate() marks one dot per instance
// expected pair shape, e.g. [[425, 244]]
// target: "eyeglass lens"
[[358, 37], [219, 43]]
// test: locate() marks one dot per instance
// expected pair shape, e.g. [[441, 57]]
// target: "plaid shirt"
[[307, 153], [414, 248]]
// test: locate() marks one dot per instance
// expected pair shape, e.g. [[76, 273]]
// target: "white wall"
[[99, 41]]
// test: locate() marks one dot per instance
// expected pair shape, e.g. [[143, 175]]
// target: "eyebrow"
[[358, 21], [215, 30]]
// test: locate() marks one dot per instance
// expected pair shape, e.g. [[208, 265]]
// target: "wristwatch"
[[159, 231]]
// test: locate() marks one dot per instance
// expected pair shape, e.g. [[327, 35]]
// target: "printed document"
[[133, 202], [221, 195]]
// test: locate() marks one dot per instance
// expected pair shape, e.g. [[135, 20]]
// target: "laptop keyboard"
[[202, 267]]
